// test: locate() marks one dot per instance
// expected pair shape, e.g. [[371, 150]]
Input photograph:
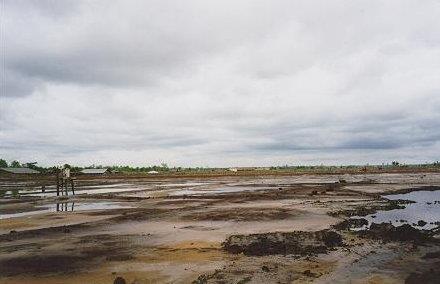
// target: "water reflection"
[[426, 208], [50, 191], [67, 207], [64, 207]]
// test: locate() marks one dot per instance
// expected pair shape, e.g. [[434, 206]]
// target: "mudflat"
[[225, 229]]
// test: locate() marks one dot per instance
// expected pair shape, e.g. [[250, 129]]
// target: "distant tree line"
[[13, 164], [163, 167]]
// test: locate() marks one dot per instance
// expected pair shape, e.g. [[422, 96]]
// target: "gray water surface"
[[66, 207], [425, 208]]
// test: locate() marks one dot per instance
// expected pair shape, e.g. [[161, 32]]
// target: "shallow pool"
[[67, 207], [426, 208]]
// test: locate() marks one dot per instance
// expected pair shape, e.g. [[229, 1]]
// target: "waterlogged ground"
[[63, 207], [423, 212], [174, 230]]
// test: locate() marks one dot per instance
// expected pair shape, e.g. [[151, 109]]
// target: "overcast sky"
[[220, 83]]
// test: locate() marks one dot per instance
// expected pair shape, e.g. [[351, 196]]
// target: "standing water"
[[424, 213], [66, 207]]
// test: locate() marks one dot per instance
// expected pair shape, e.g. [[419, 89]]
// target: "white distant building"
[[153, 172], [19, 171], [233, 170]]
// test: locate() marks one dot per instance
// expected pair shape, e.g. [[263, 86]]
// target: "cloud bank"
[[219, 83]]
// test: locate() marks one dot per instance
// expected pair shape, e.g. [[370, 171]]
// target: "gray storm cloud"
[[218, 83]]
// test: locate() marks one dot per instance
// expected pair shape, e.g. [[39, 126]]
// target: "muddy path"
[[283, 229]]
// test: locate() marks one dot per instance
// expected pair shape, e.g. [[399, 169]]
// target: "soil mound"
[[351, 224], [404, 233], [428, 277], [302, 243]]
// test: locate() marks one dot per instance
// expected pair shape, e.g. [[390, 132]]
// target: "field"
[[236, 228]]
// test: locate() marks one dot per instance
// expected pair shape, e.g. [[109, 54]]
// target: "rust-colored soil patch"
[[185, 252]]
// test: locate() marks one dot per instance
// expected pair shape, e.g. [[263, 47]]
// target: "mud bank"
[[300, 243], [404, 233], [258, 229]]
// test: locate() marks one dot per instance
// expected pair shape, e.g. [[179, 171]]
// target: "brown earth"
[[226, 229]]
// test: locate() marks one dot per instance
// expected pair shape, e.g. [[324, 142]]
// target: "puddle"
[[50, 191], [66, 207], [426, 208], [126, 189]]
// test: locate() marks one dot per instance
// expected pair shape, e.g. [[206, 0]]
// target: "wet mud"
[[259, 229], [404, 233], [300, 243], [243, 214]]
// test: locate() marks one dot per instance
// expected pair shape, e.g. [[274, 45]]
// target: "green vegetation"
[[3, 163], [15, 164]]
